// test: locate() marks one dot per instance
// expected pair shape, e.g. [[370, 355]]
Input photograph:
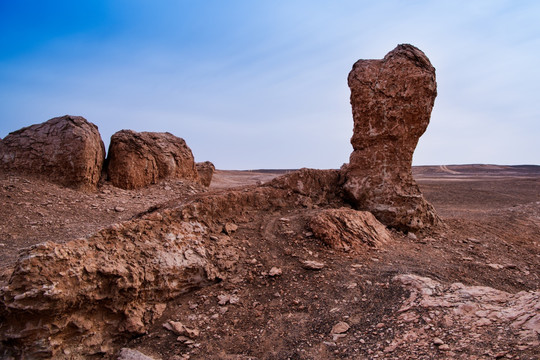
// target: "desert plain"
[[489, 242]]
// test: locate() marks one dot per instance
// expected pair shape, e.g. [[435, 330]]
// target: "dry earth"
[[397, 302]]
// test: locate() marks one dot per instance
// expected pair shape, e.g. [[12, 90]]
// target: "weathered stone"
[[131, 354], [229, 228], [348, 229], [474, 306], [139, 159], [66, 150], [321, 186], [340, 328], [275, 271], [391, 103], [206, 171], [180, 329], [84, 295], [313, 265]]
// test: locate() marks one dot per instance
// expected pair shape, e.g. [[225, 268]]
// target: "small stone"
[[444, 347], [180, 329], [412, 236], [119, 209], [340, 328], [496, 266], [229, 228], [275, 271], [312, 265], [223, 299], [438, 342], [131, 354]]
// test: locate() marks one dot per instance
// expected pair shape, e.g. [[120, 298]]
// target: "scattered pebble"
[[223, 299], [275, 271], [229, 228], [313, 265], [438, 342], [180, 329], [340, 328]]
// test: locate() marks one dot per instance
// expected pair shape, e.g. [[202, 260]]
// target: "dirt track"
[[491, 238]]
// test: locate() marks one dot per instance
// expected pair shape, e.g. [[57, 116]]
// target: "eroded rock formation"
[[206, 171], [391, 103], [348, 229], [66, 150], [84, 296], [139, 159], [81, 296]]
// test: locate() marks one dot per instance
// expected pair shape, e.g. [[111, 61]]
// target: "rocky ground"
[[466, 290]]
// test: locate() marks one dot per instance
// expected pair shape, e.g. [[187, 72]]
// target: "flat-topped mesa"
[[391, 102]]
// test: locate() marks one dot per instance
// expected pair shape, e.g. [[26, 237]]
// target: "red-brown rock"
[[139, 159], [206, 171], [66, 150], [349, 229], [391, 103]]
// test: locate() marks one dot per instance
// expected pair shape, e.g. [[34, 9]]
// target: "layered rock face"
[[206, 171], [139, 159], [391, 103], [66, 150]]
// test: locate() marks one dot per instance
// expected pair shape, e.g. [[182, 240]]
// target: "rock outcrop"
[[473, 309], [349, 230], [316, 186], [391, 103], [66, 150], [82, 296], [206, 171], [139, 159], [85, 296]]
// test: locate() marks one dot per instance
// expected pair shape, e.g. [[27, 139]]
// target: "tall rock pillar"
[[391, 103]]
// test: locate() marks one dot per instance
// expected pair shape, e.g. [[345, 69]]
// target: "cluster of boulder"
[[68, 150], [123, 276]]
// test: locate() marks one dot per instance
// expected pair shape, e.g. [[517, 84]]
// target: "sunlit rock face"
[[391, 103]]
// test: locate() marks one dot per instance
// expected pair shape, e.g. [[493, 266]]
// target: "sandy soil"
[[491, 238]]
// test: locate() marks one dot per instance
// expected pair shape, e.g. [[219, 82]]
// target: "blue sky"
[[262, 84]]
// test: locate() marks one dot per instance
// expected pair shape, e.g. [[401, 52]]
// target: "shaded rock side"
[[137, 159], [206, 171], [391, 103], [348, 229], [66, 150]]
